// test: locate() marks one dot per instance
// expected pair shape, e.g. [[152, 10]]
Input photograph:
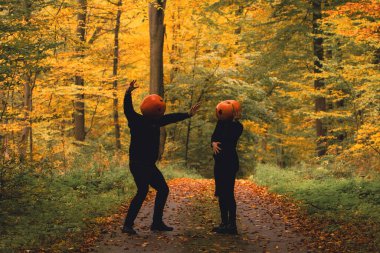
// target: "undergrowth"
[[323, 194], [44, 209]]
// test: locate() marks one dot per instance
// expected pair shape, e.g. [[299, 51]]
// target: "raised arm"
[[172, 118], [128, 105], [175, 117]]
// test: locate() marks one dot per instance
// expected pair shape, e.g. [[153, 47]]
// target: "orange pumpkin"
[[225, 111], [237, 107], [153, 106]]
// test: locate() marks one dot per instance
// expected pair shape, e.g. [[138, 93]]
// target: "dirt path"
[[193, 211]]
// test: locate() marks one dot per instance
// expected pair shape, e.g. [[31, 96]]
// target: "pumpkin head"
[[237, 108], [153, 106], [225, 111]]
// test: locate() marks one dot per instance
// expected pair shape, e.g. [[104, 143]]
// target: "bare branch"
[[93, 116], [95, 35]]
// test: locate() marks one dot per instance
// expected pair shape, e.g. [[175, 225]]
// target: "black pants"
[[146, 174], [225, 191]]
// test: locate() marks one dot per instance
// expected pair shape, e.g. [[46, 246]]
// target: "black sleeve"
[[215, 137], [172, 118], [128, 107], [238, 129]]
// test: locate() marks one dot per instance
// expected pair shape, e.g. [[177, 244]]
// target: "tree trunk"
[[115, 82], [280, 152], [320, 101], [156, 34], [188, 131], [79, 114], [264, 147], [376, 59], [239, 13], [174, 55], [175, 52], [27, 131], [27, 103]]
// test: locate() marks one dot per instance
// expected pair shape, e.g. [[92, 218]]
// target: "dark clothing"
[[145, 132], [226, 166], [143, 153], [227, 160], [227, 133], [227, 203], [145, 175]]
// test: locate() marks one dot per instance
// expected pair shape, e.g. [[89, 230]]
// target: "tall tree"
[[156, 35], [27, 101], [24, 45], [79, 113], [188, 130], [115, 82], [319, 84], [27, 131]]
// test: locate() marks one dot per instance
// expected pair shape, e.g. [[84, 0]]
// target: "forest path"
[[264, 223]]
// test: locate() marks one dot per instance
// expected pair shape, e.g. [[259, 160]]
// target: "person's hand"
[[132, 86], [216, 148], [194, 109]]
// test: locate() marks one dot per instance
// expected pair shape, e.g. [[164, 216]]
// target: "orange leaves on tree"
[[359, 20]]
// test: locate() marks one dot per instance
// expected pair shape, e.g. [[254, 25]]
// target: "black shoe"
[[128, 230], [221, 229], [231, 229], [160, 227]]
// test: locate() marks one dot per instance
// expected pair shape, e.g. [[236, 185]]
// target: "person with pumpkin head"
[[143, 154], [223, 141]]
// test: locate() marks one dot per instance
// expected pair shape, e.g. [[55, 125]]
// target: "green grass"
[[49, 211], [178, 170], [322, 193], [45, 209]]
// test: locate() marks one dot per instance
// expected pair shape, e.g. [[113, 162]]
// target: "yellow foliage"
[[254, 127]]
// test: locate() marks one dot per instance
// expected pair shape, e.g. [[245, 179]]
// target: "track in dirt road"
[[193, 210]]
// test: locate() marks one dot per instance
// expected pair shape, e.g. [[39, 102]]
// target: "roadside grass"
[[177, 169], [323, 194], [50, 211]]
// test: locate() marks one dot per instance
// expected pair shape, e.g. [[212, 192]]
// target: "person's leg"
[[159, 184], [231, 205], [223, 207], [141, 177], [221, 194], [231, 200], [222, 228]]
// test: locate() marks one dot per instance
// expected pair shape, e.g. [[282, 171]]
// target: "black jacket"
[[227, 133], [145, 132]]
